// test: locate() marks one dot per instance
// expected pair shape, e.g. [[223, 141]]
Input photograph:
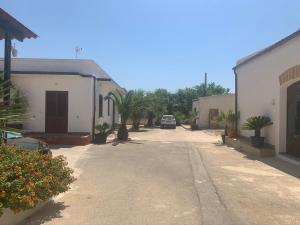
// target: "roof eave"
[[16, 29], [270, 48]]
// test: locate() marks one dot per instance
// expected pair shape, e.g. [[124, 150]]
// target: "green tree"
[[184, 97], [179, 117], [158, 103], [212, 89], [161, 101], [149, 102], [138, 108]]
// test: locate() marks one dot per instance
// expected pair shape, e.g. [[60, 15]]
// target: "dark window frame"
[[100, 107]]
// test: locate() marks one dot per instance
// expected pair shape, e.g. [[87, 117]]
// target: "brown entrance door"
[[293, 119], [213, 118], [56, 112]]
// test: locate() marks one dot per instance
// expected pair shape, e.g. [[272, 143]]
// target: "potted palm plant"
[[123, 102], [103, 129], [230, 120], [222, 118], [256, 123]]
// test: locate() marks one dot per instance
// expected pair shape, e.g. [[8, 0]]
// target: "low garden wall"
[[243, 145], [28, 179], [10, 218]]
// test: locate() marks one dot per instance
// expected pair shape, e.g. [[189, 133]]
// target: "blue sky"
[[153, 44]]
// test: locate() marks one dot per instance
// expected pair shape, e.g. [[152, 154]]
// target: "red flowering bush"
[[28, 178]]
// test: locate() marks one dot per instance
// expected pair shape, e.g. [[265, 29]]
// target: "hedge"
[[28, 178]]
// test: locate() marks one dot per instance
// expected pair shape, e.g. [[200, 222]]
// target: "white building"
[[268, 83], [64, 95], [210, 107]]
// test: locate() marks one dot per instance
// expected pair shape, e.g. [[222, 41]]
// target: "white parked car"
[[168, 121]]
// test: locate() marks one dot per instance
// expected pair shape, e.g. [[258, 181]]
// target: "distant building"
[[210, 107]]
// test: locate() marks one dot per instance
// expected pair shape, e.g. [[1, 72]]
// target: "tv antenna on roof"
[[14, 51], [77, 51]]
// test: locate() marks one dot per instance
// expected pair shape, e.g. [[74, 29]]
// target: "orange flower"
[[2, 194]]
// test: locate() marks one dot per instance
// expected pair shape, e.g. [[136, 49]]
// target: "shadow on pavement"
[[138, 131], [116, 142], [218, 144], [279, 164], [47, 213], [55, 147], [186, 127], [274, 162]]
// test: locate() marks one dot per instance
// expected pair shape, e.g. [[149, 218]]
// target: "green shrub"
[[102, 128], [28, 178], [229, 118], [192, 117], [256, 123], [179, 117]]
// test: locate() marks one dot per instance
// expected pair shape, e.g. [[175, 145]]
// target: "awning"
[[17, 30]]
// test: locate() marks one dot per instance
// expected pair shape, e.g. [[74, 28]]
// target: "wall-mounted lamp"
[[273, 102]]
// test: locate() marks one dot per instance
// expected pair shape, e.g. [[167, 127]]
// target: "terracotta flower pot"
[[232, 133]]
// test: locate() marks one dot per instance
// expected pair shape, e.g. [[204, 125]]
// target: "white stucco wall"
[[79, 98], [260, 93], [223, 103]]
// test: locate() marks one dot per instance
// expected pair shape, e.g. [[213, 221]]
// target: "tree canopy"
[[182, 100], [161, 101]]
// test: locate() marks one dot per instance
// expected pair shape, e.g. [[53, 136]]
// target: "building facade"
[[65, 95], [210, 107], [268, 84]]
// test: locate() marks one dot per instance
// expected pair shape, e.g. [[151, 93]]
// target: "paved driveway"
[[174, 177]]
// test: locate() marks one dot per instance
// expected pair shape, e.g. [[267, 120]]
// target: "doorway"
[[293, 119], [56, 112], [213, 118]]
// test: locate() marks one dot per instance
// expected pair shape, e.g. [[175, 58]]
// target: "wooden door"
[[213, 118], [56, 112]]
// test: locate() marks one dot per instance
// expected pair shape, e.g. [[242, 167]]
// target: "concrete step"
[[244, 145], [63, 139]]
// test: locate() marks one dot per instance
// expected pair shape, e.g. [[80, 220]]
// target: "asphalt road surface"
[[173, 177]]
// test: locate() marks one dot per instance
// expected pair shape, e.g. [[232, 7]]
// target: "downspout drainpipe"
[[7, 66], [94, 108], [236, 98]]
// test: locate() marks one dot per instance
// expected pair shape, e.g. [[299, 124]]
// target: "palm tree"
[[138, 108], [193, 120], [123, 103], [14, 110]]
